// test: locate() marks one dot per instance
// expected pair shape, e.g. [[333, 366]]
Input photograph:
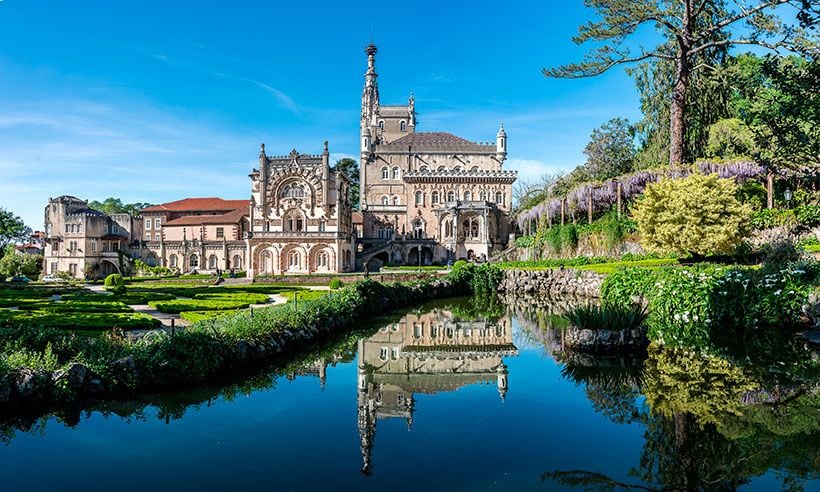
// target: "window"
[[236, 262], [419, 198], [172, 261], [157, 236], [147, 235], [482, 196], [381, 125], [157, 223], [147, 223], [72, 269], [396, 200], [53, 267], [93, 246], [385, 173], [396, 173], [212, 262], [220, 232], [293, 190], [322, 225], [499, 198], [418, 229], [293, 259], [434, 331], [294, 221], [434, 197], [403, 126], [383, 353], [468, 196], [385, 200], [193, 261], [322, 259], [394, 353], [451, 196], [418, 330], [67, 228]]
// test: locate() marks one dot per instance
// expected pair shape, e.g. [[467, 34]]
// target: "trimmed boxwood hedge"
[[79, 321]]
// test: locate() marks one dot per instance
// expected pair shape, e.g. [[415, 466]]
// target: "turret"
[[325, 163], [501, 380], [263, 179], [501, 144], [366, 142]]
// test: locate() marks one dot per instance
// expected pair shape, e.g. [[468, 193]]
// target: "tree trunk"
[[677, 123], [770, 190]]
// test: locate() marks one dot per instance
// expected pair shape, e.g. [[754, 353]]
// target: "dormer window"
[[403, 126]]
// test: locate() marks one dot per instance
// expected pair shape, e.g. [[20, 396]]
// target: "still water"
[[454, 395]]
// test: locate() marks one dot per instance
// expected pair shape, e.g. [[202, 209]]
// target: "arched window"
[[418, 229], [385, 200], [267, 263], [294, 222], [293, 260], [381, 125], [434, 197], [172, 261], [468, 195], [396, 173], [212, 262], [322, 259], [482, 196], [236, 262], [451, 196], [396, 200], [385, 173], [293, 190], [499, 198], [322, 225], [419, 198], [403, 126], [193, 261]]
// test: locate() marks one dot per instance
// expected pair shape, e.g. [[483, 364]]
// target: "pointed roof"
[[425, 138]]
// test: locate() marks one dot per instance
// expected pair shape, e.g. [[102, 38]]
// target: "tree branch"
[[577, 71], [731, 20], [729, 42]]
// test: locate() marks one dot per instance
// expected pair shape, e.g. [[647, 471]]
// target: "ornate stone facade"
[[428, 197], [301, 216]]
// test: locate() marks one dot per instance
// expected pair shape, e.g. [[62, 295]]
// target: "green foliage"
[[591, 262], [479, 279], [12, 264], [709, 306], [113, 280], [350, 167], [143, 269], [12, 228], [610, 150], [607, 317], [753, 193], [336, 284], [729, 138], [524, 241], [804, 215], [196, 316], [698, 214], [77, 320], [113, 205], [179, 305], [305, 295]]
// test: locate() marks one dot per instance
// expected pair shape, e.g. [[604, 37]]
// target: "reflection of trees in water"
[[711, 425], [172, 406]]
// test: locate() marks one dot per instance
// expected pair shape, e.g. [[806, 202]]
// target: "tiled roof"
[[229, 218], [199, 205], [422, 138]]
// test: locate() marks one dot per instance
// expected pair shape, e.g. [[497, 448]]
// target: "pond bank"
[[77, 369]]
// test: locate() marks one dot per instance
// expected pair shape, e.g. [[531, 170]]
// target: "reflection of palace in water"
[[426, 353]]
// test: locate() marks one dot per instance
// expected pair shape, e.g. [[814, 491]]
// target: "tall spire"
[[370, 95]]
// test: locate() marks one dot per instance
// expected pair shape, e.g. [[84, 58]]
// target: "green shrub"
[[195, 316], [248, 297], [336, 284], [78, 320], [305, 295], [114, 280], [607, 317], [179, 305]]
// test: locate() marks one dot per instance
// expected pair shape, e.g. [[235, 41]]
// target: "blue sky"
[[154, 101]]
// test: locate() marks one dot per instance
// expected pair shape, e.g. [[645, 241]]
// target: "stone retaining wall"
[[569, 281]]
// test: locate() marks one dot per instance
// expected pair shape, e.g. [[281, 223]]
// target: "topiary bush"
[[113, 280], [336, 284]]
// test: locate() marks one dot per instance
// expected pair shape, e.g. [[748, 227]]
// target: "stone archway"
[[107, 267]]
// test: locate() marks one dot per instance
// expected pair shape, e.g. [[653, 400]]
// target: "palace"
[[424, 198], [427, 197]]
